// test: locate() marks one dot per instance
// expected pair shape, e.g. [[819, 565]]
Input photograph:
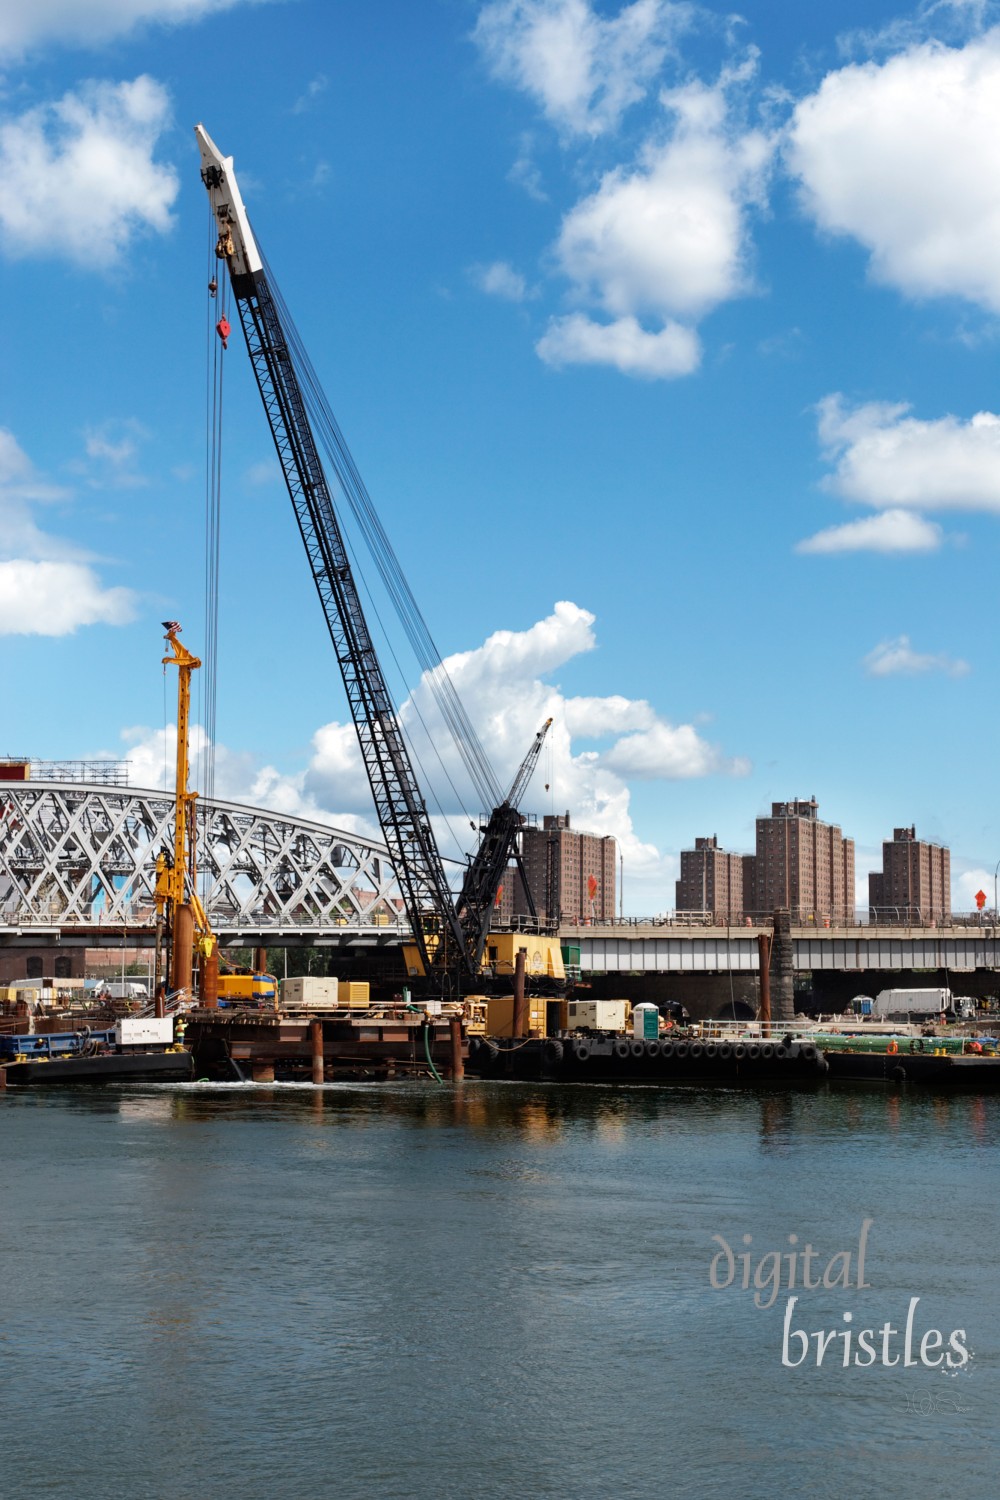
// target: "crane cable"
[[428, 657], [215, 370]]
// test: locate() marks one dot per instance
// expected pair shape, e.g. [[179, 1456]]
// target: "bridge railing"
[[52, 914], [897, 919]]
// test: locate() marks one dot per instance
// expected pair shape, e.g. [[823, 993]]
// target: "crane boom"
[[486, 870], [449, 936]]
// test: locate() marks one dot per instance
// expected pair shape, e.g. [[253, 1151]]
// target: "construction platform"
[[264, 1047]]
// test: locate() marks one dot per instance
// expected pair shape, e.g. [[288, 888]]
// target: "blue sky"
[[665, 338]]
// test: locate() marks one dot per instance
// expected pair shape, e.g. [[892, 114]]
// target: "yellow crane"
[[177, 898]]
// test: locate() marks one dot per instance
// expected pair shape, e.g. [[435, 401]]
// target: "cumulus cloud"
[[664, 752], [24, 27], [670, 237], [901, 156], [500, 280], [78, 180], [664, 238], [623, 344], [897, 658], [240, 777], [584, 70], [882, 456], [502, 684], [891, 531], [663, 241], [47, 585], [56, 598]]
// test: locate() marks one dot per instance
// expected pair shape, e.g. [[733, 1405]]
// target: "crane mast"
[[449, 936]]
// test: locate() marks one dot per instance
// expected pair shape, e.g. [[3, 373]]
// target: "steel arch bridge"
[[78, 856]]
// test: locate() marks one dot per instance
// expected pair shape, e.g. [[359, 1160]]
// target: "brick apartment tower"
[[802, 864], [914, 884], [559, 864], [711, 881]]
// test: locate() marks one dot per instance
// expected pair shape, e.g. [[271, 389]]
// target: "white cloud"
[[665, 240], [884, 457], [56, 598], [501, 685], [26, 26], [665, 752], [593, 718], [582, 69], [77, 178], [890, 531], [314, 88], [897, 658], [662, 240], [500, 280], [966, 884], [47, 586], [670, 237], [623, 344], [525, 173], [902, 157], [111, 455]]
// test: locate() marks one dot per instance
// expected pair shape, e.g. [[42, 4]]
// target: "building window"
[[34, 969]]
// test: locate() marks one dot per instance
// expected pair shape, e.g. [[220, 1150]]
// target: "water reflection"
[[232, 1281], [780, 1121]]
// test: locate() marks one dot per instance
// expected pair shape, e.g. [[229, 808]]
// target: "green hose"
[[427, 1048]]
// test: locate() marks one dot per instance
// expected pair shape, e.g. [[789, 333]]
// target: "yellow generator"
[[500, 1016]]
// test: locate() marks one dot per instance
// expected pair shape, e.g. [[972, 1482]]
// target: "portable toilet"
[[646, 1022]]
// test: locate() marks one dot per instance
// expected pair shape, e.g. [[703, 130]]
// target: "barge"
[[264, 1046], [136, 1050], [605, 1058], [731, 1055]]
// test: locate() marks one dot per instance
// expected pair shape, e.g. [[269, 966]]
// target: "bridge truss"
[[73, 854]]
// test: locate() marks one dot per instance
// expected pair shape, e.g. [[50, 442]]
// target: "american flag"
[[171, 625]]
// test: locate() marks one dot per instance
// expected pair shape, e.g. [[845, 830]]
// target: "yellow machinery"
[[543, 960], [176, 878], [177, 899]]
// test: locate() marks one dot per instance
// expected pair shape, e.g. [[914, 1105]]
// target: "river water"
[[494, 1290]]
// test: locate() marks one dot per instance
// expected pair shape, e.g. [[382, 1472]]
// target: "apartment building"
[[914, 883]]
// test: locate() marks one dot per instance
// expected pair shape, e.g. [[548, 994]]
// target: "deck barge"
[[263, 1046]]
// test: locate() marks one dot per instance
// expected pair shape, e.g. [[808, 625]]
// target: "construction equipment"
[[449, 935], [179, 908], [177, 900]]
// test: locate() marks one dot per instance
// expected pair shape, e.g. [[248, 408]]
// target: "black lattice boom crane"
[[450, 935]]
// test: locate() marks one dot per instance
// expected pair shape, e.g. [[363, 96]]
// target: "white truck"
[[126, 989], [923, 1002]]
